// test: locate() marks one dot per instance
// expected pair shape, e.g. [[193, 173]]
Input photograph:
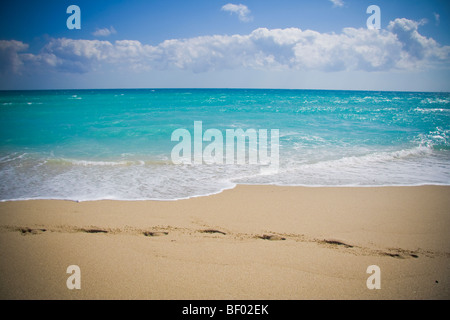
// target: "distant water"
[[116, 144]]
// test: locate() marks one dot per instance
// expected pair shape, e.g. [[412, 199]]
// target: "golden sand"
[[251, 242]]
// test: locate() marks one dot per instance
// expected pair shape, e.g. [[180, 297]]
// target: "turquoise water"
[[116, 144]]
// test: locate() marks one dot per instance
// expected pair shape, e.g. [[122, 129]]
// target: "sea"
[[86, 145]]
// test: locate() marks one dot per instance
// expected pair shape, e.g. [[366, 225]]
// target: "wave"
[[380, 157], [52, 178], [88, 163], [12, 157], [428, 110], [434, 100], [102, 163]]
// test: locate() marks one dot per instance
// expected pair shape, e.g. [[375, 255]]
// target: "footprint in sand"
[[401, 254], [26, 231], [212, 231], [336, 243], [154, 234], [93, 231], [271, 237]]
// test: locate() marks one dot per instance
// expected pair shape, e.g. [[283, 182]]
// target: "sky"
[[292, 44]]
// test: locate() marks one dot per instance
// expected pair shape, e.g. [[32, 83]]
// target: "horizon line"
[[223, 88]]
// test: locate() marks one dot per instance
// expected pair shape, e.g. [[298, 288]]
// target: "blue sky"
[[311, 44]]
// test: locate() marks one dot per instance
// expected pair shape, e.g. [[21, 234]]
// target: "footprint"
[[271, 237], [93, 230], [401, 254], [336, 243], [393, 255], [154, 234], [25, 231], [213, 231]]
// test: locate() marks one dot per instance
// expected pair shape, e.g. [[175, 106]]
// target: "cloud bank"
[[399, 47]]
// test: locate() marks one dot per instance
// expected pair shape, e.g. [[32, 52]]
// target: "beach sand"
[[250, 242]]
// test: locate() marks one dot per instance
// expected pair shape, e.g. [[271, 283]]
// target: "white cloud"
[[337, 3], [104, 32], [437, 18], [9, 55], [241, 10], [417, 47], [399, 47]]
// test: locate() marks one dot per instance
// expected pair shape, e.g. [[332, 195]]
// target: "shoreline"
[[248, 242], [231, 188]]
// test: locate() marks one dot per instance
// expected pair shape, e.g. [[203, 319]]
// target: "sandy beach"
[[250, 242]]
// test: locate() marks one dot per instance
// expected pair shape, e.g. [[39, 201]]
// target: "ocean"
[[116, 144]]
